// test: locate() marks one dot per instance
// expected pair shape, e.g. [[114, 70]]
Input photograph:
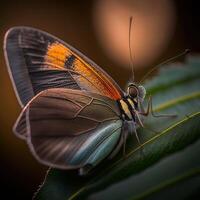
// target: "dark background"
[[20, 173]]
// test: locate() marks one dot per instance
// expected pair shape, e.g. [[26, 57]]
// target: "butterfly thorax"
[[129, 104]]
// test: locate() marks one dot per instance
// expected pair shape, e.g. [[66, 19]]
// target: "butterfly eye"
[[132, 91]]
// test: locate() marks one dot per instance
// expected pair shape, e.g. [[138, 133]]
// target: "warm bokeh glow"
[[153, 25]]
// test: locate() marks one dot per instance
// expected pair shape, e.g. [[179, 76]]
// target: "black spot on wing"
[[70, 61]]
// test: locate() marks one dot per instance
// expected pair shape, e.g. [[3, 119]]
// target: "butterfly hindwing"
[[70, 128], [38, 61]]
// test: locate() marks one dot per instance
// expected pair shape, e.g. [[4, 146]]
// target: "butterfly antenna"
[[130, 50], [163, 63]]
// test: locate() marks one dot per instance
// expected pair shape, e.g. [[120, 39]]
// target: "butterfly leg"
[[138, 140], [141, 123], [134, 130], [131, 130], [145, 113], [136, 135], [150, 110]]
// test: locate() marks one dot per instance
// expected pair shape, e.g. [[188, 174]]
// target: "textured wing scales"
[[70, 129], [38, 61]]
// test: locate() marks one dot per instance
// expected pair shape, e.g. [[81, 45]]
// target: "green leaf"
[[167, 160], [160, 180]]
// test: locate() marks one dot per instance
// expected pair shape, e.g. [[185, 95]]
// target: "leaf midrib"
[[176, 101]]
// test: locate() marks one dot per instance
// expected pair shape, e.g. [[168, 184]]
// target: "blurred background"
[[99, 29]]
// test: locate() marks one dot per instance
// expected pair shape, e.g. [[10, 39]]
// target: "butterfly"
[[74, 115]]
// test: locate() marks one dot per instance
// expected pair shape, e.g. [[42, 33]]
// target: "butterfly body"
[[74, 114]]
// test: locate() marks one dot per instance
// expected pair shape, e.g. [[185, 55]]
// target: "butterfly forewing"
[[71, 128], [38, 61]]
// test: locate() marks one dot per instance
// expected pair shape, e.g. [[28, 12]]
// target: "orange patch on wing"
[[56, 55], [95, 79]]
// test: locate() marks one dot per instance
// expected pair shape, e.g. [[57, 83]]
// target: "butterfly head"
[[136, 91]]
